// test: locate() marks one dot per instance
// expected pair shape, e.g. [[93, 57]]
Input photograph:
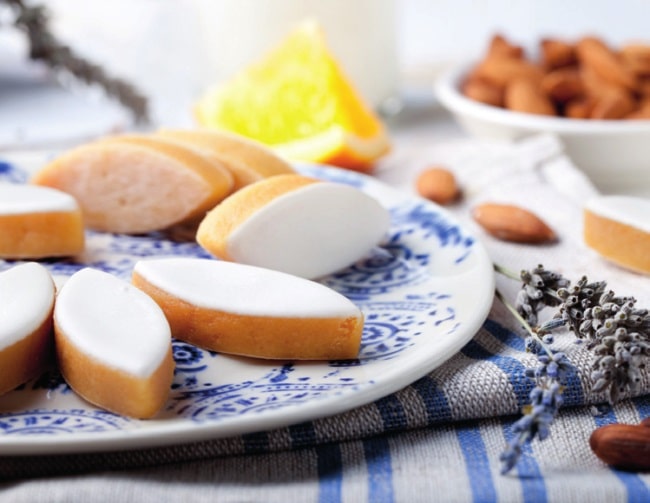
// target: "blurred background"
[[447, 30], [174, 49]]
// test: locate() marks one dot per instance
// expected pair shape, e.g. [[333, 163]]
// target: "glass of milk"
[[360, 33]]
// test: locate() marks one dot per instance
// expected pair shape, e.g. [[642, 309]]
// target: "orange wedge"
[[298, 101]]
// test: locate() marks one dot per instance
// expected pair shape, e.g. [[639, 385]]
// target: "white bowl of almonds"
[[594, 98]]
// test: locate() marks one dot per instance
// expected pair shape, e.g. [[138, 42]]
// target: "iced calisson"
[[250, 311], [39, 222], [618, 228], [26, 304], [295, 224], [113, 344]]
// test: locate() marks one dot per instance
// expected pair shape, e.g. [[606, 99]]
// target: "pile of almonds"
[[586, 79]]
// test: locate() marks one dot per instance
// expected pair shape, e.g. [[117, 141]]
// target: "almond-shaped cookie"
[[295, 224], [26, 304], [242, 173], [113, 344], [38, 222], [137, 186], [228, 146], [251, 311], [618, 228]]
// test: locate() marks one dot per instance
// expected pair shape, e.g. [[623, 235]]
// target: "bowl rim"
[[446, 89]]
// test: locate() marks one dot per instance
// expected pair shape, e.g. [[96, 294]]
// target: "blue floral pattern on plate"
[[416, 316]]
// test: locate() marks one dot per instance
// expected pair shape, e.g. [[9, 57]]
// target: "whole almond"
[[500, 46], [595, 85], [595, 54], [623, 445], [579, 108], [500, 71], [557, 53], [482, 91], [636, 58], [615, 105], [563, 85], [512, 223], [524, 95], [438, 185], [644, 87]]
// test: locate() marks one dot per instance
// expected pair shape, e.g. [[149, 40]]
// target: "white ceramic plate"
[[613, 153], [425, 292]]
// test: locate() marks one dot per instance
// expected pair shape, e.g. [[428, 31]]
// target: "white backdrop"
[[444, 30]]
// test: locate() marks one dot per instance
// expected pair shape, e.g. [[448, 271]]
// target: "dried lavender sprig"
[[545, 401], [522, 320], [616, 331], [44, 46], [550, 377], [539, 290]]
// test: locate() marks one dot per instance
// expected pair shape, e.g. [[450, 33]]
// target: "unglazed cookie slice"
[[244, 310], [181, 150], [295, 224], [618, 227], [38, 222], [242, 174], [113, 344], [253, 154], [134, 187], [26, 303]]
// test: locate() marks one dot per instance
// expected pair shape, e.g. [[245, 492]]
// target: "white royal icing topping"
[[113, 322], [24, 199], [312, 231], [26, 297], [245, 290], [628, 210]]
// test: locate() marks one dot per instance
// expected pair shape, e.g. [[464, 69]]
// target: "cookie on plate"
[[618, 228], [137, 184], [113, 344], [295, 224], [26, 304], [38, 222], [251, 311]]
